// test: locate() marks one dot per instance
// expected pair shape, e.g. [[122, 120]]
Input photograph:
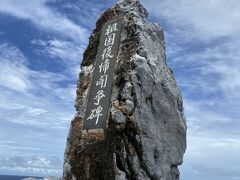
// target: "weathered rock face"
[[146, 135]]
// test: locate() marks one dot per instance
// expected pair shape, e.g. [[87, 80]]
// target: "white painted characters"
[[99, 96], [102, 82], [107, 53], [111, 28], [96, 113], [104, 66], [110, 39]]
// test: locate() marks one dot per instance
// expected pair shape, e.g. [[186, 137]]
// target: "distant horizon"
[[18, 176], [34, 176]]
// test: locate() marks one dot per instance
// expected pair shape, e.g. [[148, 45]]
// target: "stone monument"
[[129, 122]]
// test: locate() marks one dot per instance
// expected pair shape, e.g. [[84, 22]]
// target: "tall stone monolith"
[[142, 133]]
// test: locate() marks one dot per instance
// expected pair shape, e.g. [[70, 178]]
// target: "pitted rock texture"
[[146, 134]]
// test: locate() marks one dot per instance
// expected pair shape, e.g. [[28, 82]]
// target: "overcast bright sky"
[[41, 45]]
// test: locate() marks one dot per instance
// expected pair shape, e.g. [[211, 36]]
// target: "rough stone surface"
[[146, 134]]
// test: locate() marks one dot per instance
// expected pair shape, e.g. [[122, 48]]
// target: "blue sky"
[[41, 45]]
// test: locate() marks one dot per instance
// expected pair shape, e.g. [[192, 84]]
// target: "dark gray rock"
[[117, 116], [127, 91], [146, 134]]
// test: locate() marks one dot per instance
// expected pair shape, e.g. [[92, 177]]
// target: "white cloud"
[[13, 73], [33, 97], [83, 9], [213, 142], [214, 69], [210, 157], [226, 64], [69, 52], [43, 17], [31, 166], [206, 18]]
